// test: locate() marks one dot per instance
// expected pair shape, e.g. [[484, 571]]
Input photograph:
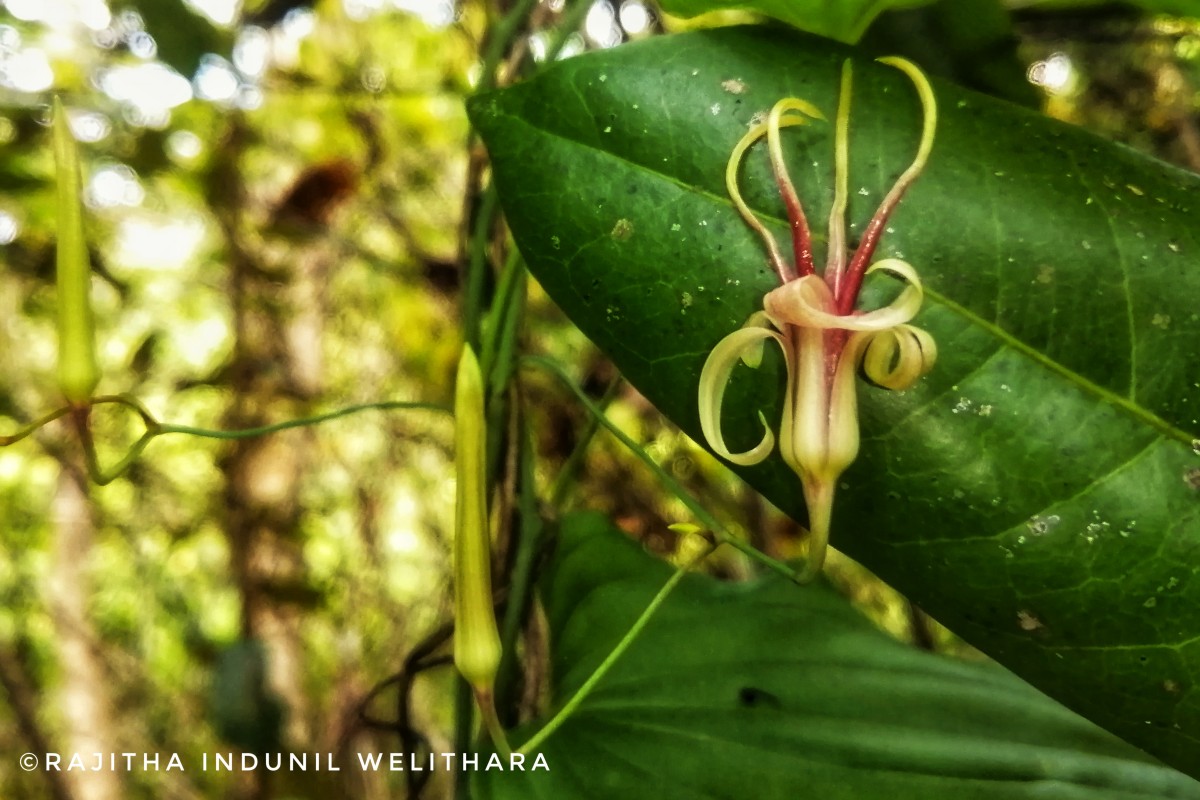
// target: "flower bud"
[[476, 638], [78, 373]]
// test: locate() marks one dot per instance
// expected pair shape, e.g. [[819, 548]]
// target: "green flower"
[[824, 338]]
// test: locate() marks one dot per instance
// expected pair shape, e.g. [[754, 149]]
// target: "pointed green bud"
[[78, 373], [476, 639]]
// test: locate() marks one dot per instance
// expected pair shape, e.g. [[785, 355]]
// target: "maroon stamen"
[[801, 237], [847, 295]]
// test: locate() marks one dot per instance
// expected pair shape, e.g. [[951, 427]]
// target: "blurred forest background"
[[279, 196]]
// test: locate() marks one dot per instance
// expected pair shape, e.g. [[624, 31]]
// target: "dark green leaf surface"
[[844, 20], [790, 691], [1038, 492]]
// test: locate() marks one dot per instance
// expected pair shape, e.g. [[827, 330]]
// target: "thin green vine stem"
[[250, 433], [563, 482], [26, 430], [486, 701], [571, 22], [722, 535], [477, 263], [522, 575], [500, 326], [611, 659], [502, 35], [101, 476], [154, 428], [463, 731], [500, 332], [128, 401]]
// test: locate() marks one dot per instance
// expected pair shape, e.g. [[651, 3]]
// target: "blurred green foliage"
[[288, 243]]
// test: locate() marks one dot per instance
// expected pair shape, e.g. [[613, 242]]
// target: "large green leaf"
[[789, 691], [844, 20], [1038, 491]]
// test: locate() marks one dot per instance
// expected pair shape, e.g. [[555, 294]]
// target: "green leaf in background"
[[183, 36], [844, 20], [244, 710], [790, 691], [1180, 8], [1038, 491], [970, 42]]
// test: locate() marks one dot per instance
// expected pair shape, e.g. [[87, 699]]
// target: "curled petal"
[[904, 307], [805, 302], [776, 121], [752, 354], [713, 380], [897, 358], [808, 302], [929, 114]]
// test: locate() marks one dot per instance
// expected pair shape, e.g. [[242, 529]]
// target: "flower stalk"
[[812, 316]]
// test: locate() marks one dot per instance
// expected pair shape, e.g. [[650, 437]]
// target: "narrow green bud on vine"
[[476, 638], [78, 373]]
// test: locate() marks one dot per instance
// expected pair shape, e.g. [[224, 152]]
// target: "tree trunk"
[[83, 697], [276, 290]]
